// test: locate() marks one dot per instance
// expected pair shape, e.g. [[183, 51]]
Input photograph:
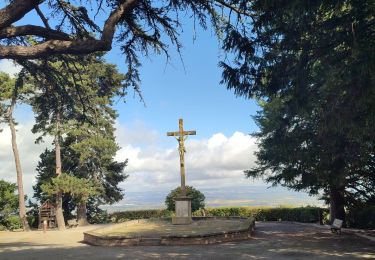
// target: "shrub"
[[197, 201], [361, 217], [13, 222], [33, 221], [98, 216], [8, 205], [301, 214]]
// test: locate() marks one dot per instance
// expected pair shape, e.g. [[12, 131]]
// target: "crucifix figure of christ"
[[181, 136]]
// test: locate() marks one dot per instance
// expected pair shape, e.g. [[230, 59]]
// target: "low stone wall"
[[94, 238]]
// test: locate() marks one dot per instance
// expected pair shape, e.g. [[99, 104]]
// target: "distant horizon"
[[216, 157], [242, 196]]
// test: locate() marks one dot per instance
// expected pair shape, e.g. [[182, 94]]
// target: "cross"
[[182, 135]]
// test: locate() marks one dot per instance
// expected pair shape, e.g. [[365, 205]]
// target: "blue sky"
[[190, 90], [216, 156]]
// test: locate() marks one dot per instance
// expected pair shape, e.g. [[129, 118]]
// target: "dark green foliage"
[[33, 221], [139, 214], [361, 217], [79, 188], [311, 64], [13, 222], [96, 215], [112, 176], [8, 198], [197, 198], [301, 214], [88, 146], [9, 206]]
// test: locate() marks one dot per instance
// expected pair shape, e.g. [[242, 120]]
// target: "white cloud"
[[8, 66], [214, 162], [29, 155], [214, 165]]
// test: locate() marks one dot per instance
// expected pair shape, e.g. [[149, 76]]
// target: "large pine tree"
[[312, 65], [75, 105]]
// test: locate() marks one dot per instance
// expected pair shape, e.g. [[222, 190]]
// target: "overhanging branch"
[[64, 46], [25, 30], [16, 10]]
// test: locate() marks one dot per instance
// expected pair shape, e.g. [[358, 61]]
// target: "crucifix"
[[182, 136]]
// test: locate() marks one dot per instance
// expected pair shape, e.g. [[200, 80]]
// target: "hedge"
[[361, 217], [301, 214]]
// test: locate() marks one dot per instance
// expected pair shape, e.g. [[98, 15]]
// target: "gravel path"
[[272, 240]]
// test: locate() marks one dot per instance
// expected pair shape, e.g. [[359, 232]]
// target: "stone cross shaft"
[[182, 135]]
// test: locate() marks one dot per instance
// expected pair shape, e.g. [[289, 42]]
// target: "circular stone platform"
[[203, 230]]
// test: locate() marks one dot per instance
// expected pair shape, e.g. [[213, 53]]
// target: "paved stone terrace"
[[271, 241]]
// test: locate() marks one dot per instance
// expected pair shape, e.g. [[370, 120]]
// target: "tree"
[[77, 29], [11, 91], [140, 27], [80, 189], [311, 64], [197, 201], [8, 201], [109, 178], [87, 119]]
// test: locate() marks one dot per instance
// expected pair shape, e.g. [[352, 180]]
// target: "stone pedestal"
[[183, 211]]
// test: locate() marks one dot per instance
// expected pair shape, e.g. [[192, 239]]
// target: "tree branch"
[[16, 10], [25, 30], [113, 19], [52, 47], [231, 7], [41, 15]]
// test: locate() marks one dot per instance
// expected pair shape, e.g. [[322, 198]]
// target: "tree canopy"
[[83, 110], [311, 64], [69, 27]]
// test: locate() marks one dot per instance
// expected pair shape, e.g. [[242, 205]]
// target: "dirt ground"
[[272, 240]]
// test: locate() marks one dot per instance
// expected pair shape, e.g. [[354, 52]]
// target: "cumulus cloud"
[[29, 154], [215, 162], [8, 66]]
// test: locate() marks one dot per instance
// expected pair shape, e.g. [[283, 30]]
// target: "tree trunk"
[[21, 195], [337, 203], [81, 214], [59, 210]]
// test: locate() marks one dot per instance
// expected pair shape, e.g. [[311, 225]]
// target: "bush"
[[361, 217], [33, 221], [13, 222], [8, 205], [98, 216], [301, 214], [197, 201]]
